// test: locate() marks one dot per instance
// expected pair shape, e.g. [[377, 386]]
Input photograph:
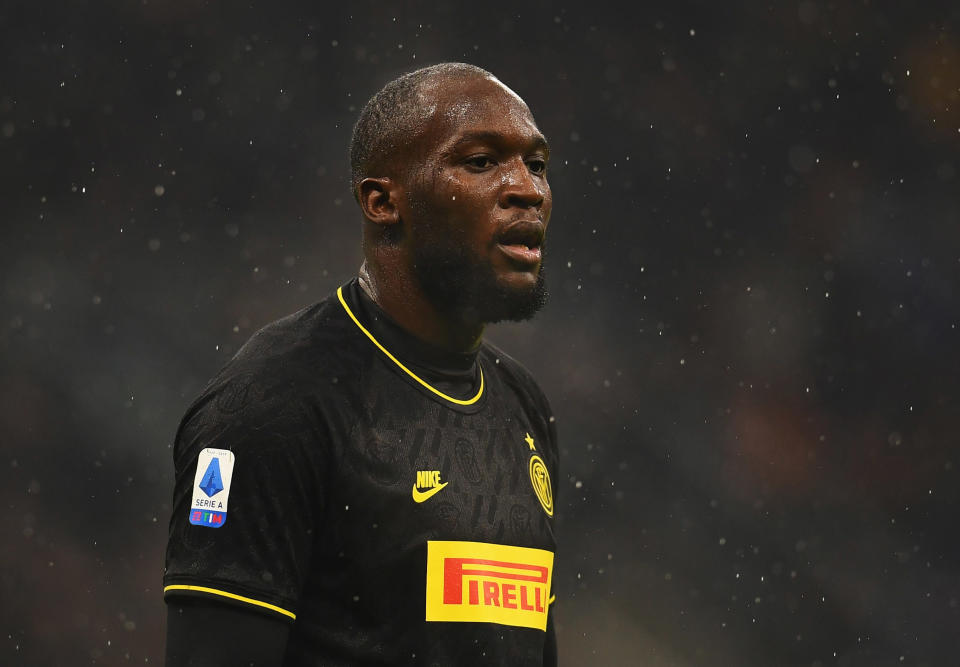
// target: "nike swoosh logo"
[[420, 496]]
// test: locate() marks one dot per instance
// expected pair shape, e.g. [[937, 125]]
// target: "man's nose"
[[521, 188]]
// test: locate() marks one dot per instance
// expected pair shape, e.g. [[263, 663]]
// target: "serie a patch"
[[211, 488]]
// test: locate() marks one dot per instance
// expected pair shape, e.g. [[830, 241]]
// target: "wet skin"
[[482, 180], [473, 179]]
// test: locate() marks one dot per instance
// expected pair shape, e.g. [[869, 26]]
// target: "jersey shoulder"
[[309, 343], [510, 369], [271, 387], [516, 376], [301, 354]]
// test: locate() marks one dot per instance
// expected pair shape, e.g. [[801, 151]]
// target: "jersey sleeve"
[[247, 496], [254, 638]]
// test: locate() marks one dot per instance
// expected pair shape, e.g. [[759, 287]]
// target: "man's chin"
[[514, 303], [518, 282], [473, 293]]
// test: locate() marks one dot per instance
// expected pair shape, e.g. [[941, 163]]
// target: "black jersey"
[[392, 501]]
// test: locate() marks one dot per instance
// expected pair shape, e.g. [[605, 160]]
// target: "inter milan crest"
[[540, 478], [211, 488]]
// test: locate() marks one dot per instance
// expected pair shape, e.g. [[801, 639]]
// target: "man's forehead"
[[454, 96], [461, 105]]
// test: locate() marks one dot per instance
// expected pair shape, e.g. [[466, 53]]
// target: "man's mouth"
[[521, 253], [521, 241]]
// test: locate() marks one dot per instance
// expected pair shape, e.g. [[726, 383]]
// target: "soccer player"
[[368, 482]]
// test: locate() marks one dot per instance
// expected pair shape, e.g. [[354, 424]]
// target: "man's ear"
[[378, 200]]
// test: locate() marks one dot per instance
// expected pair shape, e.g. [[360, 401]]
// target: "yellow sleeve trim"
[[469, 401], [214, 591]]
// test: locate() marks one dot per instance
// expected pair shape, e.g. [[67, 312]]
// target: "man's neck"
[[400, 297]]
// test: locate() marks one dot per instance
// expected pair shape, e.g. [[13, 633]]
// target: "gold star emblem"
[[529, 440]]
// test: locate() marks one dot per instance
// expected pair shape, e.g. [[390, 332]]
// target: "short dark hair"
[[389, 119]]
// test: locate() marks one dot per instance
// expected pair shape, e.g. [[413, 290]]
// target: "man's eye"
[[480, 161], [537, 166]]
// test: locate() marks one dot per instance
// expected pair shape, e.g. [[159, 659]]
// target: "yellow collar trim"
[[469, 401]]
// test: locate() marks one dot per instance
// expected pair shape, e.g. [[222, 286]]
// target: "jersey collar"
[[436, 370]]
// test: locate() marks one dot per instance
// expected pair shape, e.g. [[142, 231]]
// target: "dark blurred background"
[[751, 345]]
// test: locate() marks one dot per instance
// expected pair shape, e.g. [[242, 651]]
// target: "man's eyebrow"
[[537, 141]]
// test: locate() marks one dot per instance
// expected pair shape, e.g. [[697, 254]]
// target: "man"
[[367, 482]]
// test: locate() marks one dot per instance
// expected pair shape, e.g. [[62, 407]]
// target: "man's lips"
[[521, 253], [521, 241]]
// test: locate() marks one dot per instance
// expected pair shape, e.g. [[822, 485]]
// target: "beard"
[[464, 286]]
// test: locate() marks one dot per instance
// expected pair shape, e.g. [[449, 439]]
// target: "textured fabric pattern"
[[329, 436]]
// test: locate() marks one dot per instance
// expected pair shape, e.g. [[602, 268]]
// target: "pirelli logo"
[[476, 582]]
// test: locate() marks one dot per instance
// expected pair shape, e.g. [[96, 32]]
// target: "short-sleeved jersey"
[[392, 501]]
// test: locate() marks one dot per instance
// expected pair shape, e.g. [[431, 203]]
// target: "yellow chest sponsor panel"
[[477, 582]]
